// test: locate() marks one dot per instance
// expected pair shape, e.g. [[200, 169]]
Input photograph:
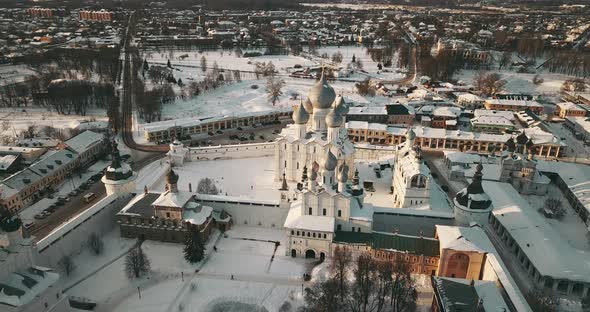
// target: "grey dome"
[[340, 105], [329, 162], [308, 106], [322, 95], [342, 173], [334, 119], [300, 115]]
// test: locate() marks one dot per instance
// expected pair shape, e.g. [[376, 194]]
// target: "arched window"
[[418, 181], [310, 210], [324, 211], [308, 234], [313, 235], [297, 233], [339, 213]]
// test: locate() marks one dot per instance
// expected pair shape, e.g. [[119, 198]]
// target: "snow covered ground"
[[521, 82], [251, 178], [361, 53], [258, 278]]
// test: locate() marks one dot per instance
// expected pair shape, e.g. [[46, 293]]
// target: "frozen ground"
[[251, 178], [257, 278]]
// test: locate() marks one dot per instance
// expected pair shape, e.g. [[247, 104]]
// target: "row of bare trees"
[[363, 284]]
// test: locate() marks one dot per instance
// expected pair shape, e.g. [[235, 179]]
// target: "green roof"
[[396, 109], [403, 243]]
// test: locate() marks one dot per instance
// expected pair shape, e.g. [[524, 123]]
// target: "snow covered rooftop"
[[197, 215], [536, 237], [575, 176], [84, 141], [476, 236], [295, 220], [173, 199], [23, 287]]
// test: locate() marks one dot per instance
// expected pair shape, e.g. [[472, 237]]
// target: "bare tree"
[[403, 287], [273, 88], [337, 57], [136, 263], [207, 186], [489, 84], [95, 244], [323, 297], [555, 206], [203, 64], [341, 260], [364, 87], [66, 265], [361, 298], [505, 60]]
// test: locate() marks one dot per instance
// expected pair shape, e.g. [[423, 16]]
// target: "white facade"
[[319, 127], [177, 153], [411, 177]]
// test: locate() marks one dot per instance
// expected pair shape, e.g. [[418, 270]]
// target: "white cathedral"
[[329, 200]]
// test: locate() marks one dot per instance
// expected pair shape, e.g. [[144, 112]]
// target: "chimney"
[[190, 188]]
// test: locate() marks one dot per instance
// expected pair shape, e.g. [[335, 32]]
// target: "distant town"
[[294, 156]]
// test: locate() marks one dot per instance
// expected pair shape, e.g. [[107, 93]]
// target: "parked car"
[[73, 193], [29, 225], [40, 216], [240, 128]]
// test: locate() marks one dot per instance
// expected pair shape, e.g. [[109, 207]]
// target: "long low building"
[[544, 254], [168, 130], [544, 144], [514, 105], [28, 185]]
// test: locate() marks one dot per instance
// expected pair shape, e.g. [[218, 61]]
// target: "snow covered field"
[[251, 178], [522, 83], [257, 278]]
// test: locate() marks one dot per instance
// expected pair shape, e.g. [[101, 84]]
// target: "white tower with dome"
[[119, 178]]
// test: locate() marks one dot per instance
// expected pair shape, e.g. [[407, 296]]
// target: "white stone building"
[[411, 177], [326, 204], [119, 177]]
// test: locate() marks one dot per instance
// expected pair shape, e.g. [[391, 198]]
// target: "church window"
[[324, 235], [167, 215], [339, 227], [297, 165], [324, 211], [353, 228], [309, 210], [313, 235], [285, 163], [359, 229], [308, 234], [339, 213], [292, 232], [297, 233]]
